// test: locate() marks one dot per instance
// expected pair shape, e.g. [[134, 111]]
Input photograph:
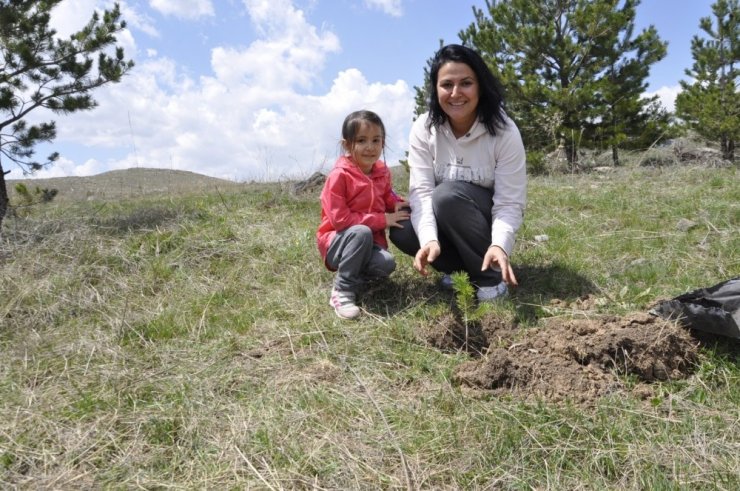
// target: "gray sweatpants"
[[463, 214], [357, 259]]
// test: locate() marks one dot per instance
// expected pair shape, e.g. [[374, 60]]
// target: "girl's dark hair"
[[490, 108], [352, 123]]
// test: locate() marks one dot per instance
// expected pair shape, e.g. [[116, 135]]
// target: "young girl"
[[357, 205]]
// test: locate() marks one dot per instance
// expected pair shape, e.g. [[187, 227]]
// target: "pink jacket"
[[351, 197]]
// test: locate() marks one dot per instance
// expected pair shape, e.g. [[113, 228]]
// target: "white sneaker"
[[344, 304], [491, 293]]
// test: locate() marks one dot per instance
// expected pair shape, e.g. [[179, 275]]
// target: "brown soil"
[[579, 360]]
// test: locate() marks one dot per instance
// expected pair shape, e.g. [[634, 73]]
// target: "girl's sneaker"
[[344, 304], [491, 293]]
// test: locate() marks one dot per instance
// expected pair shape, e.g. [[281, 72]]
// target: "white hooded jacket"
[[494, 162]]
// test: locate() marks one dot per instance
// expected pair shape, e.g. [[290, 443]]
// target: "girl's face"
[[367, 146], [458, 93]]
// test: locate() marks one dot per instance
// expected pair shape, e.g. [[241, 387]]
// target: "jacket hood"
[[348, 164]]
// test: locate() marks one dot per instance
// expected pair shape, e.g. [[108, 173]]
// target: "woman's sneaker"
[[344, 304], [491, 293], [445, 283]]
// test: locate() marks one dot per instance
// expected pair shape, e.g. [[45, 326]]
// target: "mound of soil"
[[578, 359]]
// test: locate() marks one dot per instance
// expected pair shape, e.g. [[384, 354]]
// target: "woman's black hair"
[[490, 108]]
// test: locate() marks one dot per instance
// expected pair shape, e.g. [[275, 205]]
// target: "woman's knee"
[[448, 199], [451, 192], [404, 238], [455, 200]]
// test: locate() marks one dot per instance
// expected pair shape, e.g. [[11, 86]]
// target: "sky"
[[256, 90]]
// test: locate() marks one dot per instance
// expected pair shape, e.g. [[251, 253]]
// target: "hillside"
[[126, 183]]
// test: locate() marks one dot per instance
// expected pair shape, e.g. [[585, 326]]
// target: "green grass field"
[[183, 340]]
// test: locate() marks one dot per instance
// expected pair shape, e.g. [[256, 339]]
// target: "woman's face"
[[458, 93]]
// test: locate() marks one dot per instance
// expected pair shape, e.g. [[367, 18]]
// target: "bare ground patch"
[[579, 360]]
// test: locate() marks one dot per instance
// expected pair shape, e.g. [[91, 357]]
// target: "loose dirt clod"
[[576, 359]]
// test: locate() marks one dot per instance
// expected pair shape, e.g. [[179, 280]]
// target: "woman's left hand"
[[496, 257]]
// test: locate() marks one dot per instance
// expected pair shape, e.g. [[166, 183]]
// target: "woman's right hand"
[[427, 254]]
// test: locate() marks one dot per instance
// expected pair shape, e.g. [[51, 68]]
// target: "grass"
[[184, 340]]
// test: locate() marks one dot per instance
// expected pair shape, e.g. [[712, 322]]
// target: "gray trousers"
[[463, 214], [357, 259]]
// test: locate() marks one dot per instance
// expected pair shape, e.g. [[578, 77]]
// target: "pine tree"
[[627, 113], [710, 104], [40, 70], [422, 93], [562, 63]]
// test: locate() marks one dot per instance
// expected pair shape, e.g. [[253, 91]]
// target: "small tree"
[[711, 104], [39, 70], [38, 195]]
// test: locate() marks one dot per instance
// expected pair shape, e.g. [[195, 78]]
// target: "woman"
[[468, 183]]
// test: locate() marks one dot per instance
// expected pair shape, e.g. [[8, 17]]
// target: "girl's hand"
[[427, 254], [496, 257], [402, 204], [392, 219]]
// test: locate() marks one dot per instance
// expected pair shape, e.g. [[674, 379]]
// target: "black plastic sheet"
[[715, 309]]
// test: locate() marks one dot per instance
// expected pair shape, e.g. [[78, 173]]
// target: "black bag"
[[715, 309]]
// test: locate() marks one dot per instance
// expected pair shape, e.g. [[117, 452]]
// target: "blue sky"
[[258, 89]]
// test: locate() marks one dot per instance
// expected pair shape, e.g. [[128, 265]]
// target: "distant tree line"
[[575, 73]]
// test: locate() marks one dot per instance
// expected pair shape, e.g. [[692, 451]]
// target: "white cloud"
[[70, 16], [253, 118], [390, 7], [666, 96], [63, 168], [291, 52], [135, 19], [184, 9]]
